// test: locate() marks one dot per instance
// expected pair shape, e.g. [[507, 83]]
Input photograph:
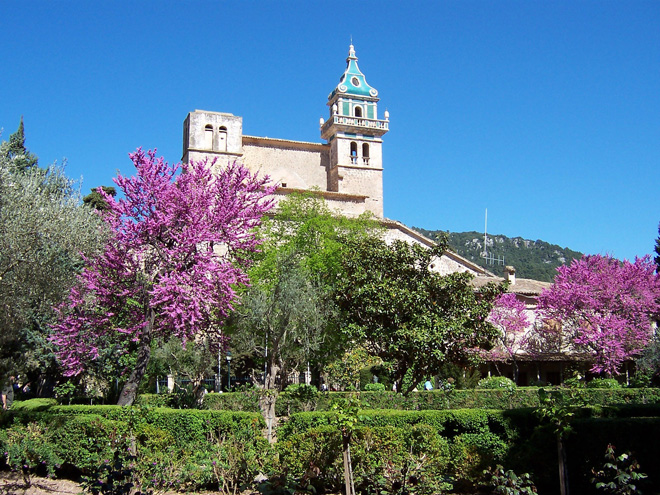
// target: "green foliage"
[[461, 377], [374, 387], [16, 154], [401, 311], [557, 409], [497, 383], [284, 319], [162, 448], [237, 463], [509, 483], [438, 399], [603, 383], [27, 448], [647, 364], [347, 371], [96, 201], [113, 478], [157, 400], [537, 260], [450, 423], [395, 452], [575, 383], [234, 401], [288, 310], [33, 405], [619, 475], [65, 391], [43, 231], [85, 441], [192, 362], [299, 397]]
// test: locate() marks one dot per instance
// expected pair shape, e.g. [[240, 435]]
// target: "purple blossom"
[[603, 306], [175, 258]]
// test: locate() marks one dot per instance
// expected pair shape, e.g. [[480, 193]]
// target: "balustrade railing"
[[362, 122]]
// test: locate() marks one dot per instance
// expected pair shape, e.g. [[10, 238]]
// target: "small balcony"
[[348, 124]]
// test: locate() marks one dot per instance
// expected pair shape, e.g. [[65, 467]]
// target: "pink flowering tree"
[[606, 307], [509, 317], [179, 246]]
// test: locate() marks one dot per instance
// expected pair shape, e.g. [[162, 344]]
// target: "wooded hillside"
[[531, 259]]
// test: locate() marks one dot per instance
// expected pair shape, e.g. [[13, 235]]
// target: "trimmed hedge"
[[432, 400], [427, 451], [421, 451], [176, 449], [449, 423], [233, 401]]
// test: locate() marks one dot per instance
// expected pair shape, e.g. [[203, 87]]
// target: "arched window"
[[222, 138], [358, 111], [353, 153], [208, 137], [365, 153]]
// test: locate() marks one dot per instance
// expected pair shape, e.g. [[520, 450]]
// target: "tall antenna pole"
[[486, 234]]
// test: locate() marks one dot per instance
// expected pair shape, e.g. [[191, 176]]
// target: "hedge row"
[[473, 439], [414, 451], [448, 423], [429, 400], [168, 448]]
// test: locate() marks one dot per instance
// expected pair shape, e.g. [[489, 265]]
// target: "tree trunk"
[[516, 372], [268, 400], [129, 392], [348, 468], [563, 469]]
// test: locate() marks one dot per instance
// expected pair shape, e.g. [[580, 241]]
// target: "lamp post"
[[228, 371], [219, 380]]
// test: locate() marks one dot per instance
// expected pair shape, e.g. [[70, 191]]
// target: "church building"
[[346, 170]]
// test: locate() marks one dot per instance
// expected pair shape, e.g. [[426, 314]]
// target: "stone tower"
[[346, 171], [354, 133]]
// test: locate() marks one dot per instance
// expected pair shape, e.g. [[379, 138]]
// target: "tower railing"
[[362, 122]]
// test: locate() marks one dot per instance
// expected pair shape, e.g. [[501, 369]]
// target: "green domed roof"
[[353, 82]]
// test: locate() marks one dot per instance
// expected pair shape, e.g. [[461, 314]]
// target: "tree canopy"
[[407, 314], [509, 317], [287, 315], [44, 232], [178, 251], [16, 155], [95, 199], [605, 306]]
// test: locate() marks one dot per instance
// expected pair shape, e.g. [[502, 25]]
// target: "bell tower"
[[354, 134]]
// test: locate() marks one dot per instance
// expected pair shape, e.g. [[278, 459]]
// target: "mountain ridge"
[[536, 260]]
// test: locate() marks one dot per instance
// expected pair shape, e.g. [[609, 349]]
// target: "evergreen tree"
[[95, 199], [17, 154]]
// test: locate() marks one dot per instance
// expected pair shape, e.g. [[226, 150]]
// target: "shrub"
[[33, 405], [247, 401], [421, 453], [603, 383], [619, 475], [27, 448], [574, 383], [497, 383], [374, 387], [86, 441], [155, 400], [509, 483]]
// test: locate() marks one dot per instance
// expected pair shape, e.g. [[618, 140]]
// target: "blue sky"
[[545, 112]]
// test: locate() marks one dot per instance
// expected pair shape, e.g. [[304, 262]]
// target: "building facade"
[[346, 170]]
